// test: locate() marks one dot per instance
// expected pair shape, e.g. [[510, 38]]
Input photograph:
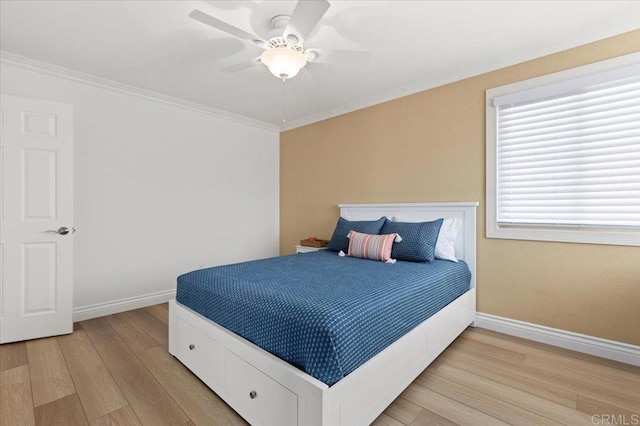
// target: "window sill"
[[577, 235]]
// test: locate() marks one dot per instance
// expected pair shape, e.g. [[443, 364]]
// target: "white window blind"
[[568, 153]]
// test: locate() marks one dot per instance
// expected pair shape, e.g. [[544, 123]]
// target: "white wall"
[[159, 190]]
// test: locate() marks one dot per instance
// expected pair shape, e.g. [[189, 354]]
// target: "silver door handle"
[[62, 231]]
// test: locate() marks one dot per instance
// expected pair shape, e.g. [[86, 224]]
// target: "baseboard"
[[121, 305], [622, 352]]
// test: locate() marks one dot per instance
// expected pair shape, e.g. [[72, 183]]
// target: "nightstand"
[[305, 249]]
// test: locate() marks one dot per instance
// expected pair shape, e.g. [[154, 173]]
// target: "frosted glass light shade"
[[283, 62]]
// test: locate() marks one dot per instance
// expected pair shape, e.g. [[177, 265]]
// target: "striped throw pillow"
[[374, 247]]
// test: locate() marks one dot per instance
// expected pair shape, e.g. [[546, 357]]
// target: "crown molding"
[[595, 34], [35, 65]]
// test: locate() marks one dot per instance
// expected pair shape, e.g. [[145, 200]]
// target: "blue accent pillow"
[[418, 239], [339, 240]]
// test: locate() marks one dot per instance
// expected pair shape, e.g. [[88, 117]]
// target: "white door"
[[36, 218]]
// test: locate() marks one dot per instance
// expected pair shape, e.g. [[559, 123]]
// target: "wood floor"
[[116, 371]]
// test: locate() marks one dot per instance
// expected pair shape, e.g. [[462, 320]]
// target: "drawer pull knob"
[[253, 394], [192, 347]]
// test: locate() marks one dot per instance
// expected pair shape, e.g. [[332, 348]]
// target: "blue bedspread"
[[322, 313]]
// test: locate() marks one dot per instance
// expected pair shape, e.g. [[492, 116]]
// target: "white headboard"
[[465, 244]]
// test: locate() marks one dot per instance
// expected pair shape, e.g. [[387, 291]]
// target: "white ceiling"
[[155, 46]]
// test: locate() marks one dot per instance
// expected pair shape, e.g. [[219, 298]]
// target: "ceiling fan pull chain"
[[284, 79]]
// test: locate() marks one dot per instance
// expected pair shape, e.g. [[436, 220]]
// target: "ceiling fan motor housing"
[[280, 41]]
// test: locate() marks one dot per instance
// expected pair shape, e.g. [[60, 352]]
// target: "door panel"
[[39, 179], [36, 276], [39, 277], [38, 124]]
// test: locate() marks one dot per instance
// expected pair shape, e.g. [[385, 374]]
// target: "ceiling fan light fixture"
[[283, 62]]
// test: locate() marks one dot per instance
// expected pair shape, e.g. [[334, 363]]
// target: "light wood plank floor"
[[116, 371]]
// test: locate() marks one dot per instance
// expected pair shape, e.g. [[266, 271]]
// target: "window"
[[563, 156]]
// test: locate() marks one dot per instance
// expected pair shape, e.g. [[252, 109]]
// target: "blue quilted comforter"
[[322, 313]]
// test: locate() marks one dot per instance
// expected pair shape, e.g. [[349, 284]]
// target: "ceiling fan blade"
[[305, 17], [341, 57], [198, 15], [241, 66], [305, 76]]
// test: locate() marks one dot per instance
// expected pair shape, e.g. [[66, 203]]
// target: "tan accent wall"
[[431, 147]]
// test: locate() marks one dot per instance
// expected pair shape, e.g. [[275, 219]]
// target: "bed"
[[354, 376]]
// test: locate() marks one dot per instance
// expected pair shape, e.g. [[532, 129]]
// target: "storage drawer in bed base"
[[267, 391]]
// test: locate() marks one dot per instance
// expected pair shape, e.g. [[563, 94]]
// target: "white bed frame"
[[268, 391]]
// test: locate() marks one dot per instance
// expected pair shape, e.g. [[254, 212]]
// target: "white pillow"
[[446, 239]]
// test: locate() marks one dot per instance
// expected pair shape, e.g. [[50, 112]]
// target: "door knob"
[[62, 231]]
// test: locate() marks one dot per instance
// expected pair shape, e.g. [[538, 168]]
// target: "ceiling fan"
[[285, 53]]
